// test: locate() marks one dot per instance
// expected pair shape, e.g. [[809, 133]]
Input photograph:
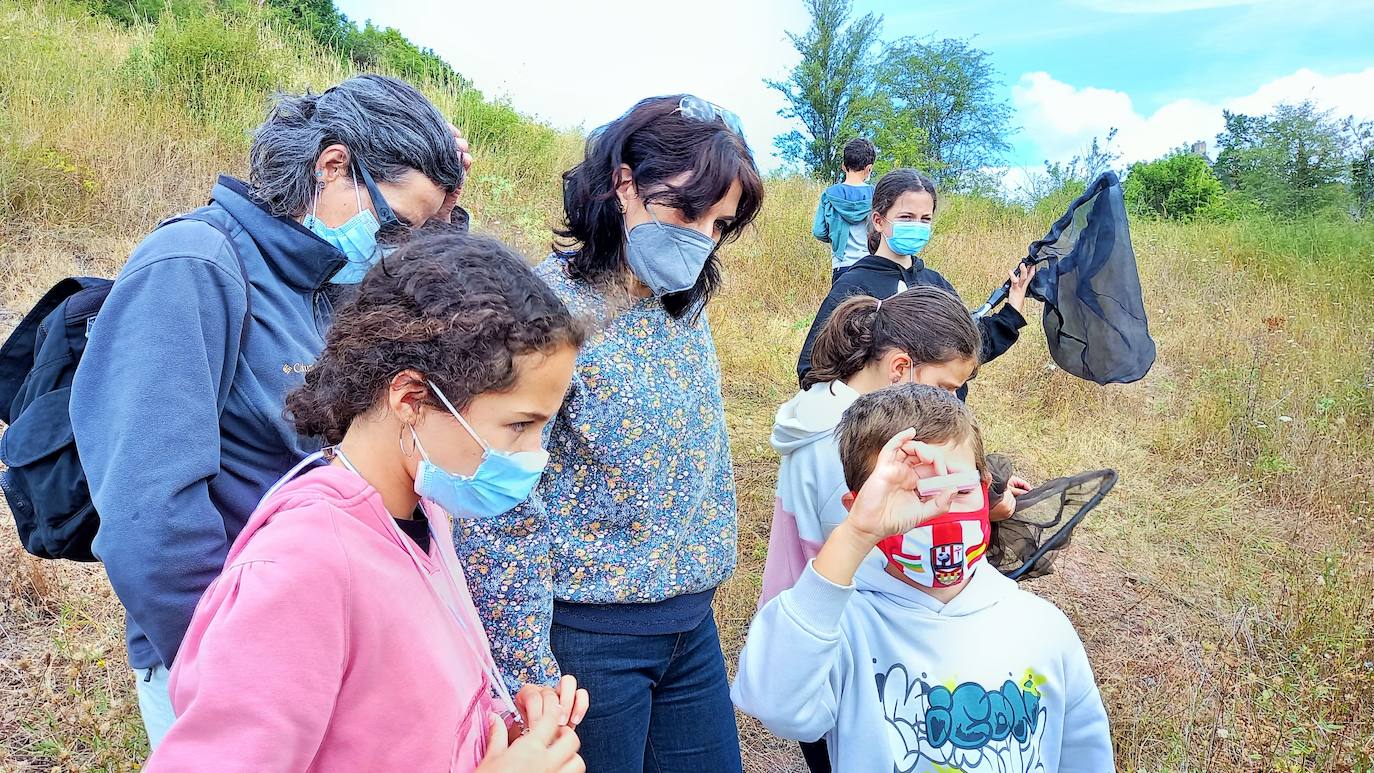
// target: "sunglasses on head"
[[701, 110]]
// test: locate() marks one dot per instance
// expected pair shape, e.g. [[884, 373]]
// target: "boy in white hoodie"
[[924, 336], [904, 665]]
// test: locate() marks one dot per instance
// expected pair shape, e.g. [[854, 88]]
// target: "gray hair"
[[385, 122]]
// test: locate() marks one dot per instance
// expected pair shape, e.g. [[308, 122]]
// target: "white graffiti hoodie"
[[811, 487], [995, 680]]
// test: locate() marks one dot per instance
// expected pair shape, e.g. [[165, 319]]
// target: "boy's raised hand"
[[886, 504]]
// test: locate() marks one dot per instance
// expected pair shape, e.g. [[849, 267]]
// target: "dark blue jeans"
[[659, 704]]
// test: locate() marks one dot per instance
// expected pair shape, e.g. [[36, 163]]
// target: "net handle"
[[1001, 293]]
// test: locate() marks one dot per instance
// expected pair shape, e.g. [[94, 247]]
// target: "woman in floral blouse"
[[608, 571]]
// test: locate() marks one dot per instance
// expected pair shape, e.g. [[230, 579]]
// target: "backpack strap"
[[17, 353], [243, 269]]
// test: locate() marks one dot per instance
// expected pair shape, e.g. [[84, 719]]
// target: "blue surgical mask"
[[356, 239], [501, 481], [667, 258], [908, 238]]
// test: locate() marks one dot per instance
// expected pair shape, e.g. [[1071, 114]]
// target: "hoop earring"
[[402, 441]]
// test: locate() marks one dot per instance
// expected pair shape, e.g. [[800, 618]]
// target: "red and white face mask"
[[941, 552]]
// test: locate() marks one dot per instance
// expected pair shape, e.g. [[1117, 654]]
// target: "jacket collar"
[[302, 259], [882, 265]]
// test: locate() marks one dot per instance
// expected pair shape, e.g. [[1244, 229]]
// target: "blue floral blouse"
[[638, 502]]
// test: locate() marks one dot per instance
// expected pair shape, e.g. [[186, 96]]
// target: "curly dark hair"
[[455, 307], [658, 143]]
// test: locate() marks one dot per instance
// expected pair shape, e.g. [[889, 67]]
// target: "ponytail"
[[929, 324], [844, 345]]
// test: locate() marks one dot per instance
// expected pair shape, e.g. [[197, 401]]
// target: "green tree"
[[1293, 161], [1242, 133], [369, 46], [830, 89], [317, 18], [1063, 181], [374, 46], [1179, 186], [950, 91], [1085, 167], [900, 141], [1361, 141]]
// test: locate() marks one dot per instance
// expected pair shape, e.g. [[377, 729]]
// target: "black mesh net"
[[1026, 544], [1094, 317]]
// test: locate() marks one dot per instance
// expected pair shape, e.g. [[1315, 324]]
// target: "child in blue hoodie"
[[901, 662], [842, 216]]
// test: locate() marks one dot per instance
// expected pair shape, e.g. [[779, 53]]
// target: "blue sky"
[[1159, 71]]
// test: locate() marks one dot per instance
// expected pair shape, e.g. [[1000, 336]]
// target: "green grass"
[[1223, 590]]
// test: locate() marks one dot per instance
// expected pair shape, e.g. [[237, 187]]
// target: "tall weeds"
[[1223, 589]]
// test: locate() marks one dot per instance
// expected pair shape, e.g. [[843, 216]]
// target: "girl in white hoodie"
[[922, 336]]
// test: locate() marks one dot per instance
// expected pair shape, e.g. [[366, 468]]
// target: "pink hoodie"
[[322, 647]]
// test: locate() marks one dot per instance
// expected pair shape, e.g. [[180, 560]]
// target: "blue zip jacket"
[[180, 430], [842, 221]]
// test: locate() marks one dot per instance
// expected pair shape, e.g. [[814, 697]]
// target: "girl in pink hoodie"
[[341, 635]]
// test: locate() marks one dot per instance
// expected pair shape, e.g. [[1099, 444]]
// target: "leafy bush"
[[1053, 204], [1230, 206], [1178, 186], [215, 64], [131, 12]]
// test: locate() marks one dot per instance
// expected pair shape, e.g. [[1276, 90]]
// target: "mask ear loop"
[[486, 449], [319, 188], [648, 207], [357, 192]]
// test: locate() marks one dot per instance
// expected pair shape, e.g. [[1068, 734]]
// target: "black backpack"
[[43, 480]]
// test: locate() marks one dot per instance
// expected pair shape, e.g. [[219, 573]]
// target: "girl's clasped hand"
[[543, 738]]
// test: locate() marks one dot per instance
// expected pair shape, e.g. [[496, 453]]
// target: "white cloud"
[[582, 64], [1062, 119], [1348, 93]]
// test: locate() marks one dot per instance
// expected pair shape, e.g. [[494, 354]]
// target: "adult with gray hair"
[[177, 406]]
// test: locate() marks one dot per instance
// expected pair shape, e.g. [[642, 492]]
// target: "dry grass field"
[[1224, 589]]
